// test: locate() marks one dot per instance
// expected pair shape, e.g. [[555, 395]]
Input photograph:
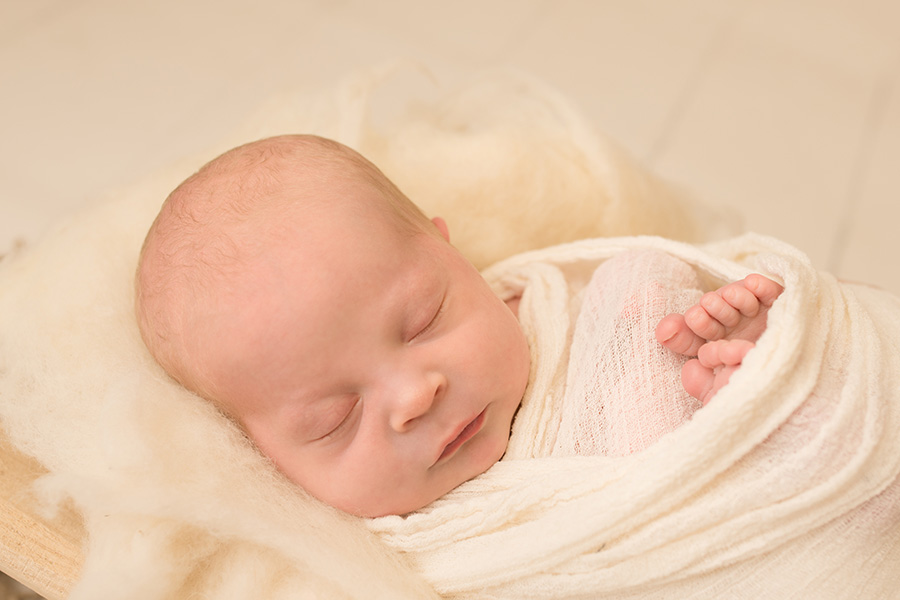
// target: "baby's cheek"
[[492, 447]]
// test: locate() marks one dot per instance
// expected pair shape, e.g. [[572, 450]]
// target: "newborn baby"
[[293, 285]]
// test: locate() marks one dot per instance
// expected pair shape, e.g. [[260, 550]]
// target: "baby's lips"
[[463, 434]]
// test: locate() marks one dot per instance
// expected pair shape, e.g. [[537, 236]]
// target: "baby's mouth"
[[467, 433]]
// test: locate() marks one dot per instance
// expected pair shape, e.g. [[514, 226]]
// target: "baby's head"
[[292, 285]]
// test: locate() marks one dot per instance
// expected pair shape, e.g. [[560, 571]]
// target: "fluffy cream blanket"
[[178, 504]]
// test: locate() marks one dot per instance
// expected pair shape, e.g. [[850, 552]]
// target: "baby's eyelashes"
[[435, 319], [342, 418]]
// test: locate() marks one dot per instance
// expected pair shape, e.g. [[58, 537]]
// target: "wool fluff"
[[508, 162], [176, 502]]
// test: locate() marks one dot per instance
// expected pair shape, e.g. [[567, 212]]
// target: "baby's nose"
[[415, 399]]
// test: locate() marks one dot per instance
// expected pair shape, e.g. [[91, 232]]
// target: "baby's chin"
[[392, 507], [415, 502]]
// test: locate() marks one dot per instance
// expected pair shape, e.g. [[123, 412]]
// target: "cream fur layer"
[[784, 486]]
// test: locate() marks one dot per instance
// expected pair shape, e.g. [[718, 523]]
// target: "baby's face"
[[374, 366]]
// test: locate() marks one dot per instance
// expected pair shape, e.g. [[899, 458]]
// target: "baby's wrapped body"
[[623, 389], [617, 485]]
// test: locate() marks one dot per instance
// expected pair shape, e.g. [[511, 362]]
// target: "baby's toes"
[[724, 353], [697, 380], [673, 333], [703, 324], [720, 309], [766, 290], [742, 300]]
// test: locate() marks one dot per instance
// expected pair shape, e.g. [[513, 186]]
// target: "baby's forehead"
[[236, 212]]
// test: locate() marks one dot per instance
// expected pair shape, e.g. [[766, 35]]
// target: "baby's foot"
[[728, 321], [705, 375]]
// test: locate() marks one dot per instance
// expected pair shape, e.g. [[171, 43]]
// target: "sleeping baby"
[[290, 283]]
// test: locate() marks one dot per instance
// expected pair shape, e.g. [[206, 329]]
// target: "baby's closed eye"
[[432, 322], [338, 417]]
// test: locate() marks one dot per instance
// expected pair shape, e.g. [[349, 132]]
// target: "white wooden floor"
[[788, 110]]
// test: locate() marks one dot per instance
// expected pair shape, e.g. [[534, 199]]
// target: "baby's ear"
[[441, 224]]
